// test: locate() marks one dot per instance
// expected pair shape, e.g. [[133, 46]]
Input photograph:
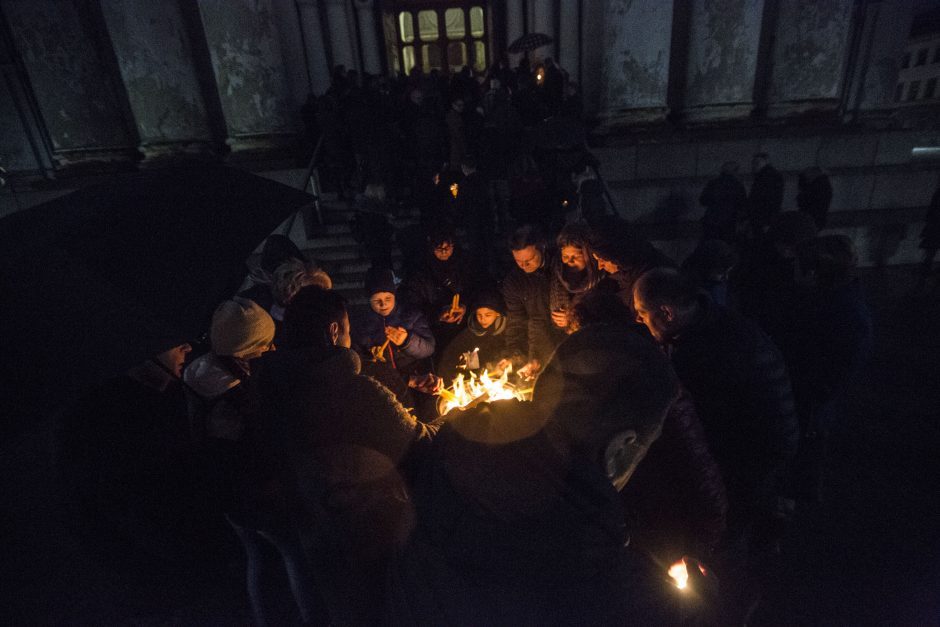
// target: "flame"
[[469, 388], [454, 189], [680, 574]]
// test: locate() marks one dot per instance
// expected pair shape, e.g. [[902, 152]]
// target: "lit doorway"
[[421, 36]]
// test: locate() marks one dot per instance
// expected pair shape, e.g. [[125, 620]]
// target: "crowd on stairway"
[[678, 410]]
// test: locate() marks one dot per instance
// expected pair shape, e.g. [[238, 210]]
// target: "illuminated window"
[[431, 58], [427, 25], [408, 56], [479, 56], [456, 26], [476, 22], [406, 27], [456, 55]]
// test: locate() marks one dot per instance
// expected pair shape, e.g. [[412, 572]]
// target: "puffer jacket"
[[741, 389], [368, 330], [530, 333], [489, 345]]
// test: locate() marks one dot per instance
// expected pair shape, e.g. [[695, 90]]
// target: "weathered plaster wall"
[[723, 51], [636, 41], [156, 62], [15, 150], [810, 49], [77, 102], [249, 67], [891, 23]]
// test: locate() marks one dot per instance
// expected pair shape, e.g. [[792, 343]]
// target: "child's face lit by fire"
[[486, 317], [382, 303]]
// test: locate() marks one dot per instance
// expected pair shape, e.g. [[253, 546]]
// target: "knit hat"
[[490, 299], [380, 280], [240, 327]]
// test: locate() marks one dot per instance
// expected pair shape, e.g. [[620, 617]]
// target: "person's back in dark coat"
[[815, 195], [725, 202], [739, 383], [766, 197], [740, 386]]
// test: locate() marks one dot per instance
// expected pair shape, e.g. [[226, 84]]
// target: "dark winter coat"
[[513, 531], [368, 330], [431, 287], [725, 202], [825, 336], [766, 198], [344, 446], [814, 198], [739, 383], [491, 343], [676, 498], [530, 332]]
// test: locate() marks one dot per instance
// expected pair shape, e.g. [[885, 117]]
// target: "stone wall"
[[880, 193]]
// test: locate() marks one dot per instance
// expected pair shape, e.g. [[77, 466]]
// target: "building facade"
[[91, 81]]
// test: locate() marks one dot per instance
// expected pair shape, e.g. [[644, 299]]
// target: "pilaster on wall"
[[158, 71], [635, 40], [811, 49], [883, 37], [250, 74], [342, 33], [723, 49], [79, 99], [318, 66]]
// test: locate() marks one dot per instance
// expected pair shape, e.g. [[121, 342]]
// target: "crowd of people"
[[677, 410]]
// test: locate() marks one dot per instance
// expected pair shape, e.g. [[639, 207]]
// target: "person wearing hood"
[[391, 331], [574, 272], [481, 345], [344, 448], [241, 332], [519, 520]]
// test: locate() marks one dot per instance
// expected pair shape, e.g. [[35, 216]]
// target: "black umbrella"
[[101, 279], [530, 41]]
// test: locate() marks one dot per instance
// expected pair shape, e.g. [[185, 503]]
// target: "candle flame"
[[680, 574]]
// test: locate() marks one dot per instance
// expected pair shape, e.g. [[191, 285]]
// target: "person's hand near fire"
[[396, 335], [428, 383], [560, 318], [529, 370]]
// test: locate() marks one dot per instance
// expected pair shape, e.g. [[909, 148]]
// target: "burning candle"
[[454, 188], [680, 574]]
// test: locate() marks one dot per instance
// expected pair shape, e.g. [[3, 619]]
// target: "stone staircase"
[[335, 248]]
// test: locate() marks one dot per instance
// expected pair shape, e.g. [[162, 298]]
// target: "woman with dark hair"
[[574, 271], [624, 254]]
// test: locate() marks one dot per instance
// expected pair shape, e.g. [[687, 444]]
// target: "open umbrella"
[[529, 41], [101, 279]]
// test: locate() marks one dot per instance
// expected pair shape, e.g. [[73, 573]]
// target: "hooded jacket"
[[491, 343], [368, 330]]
